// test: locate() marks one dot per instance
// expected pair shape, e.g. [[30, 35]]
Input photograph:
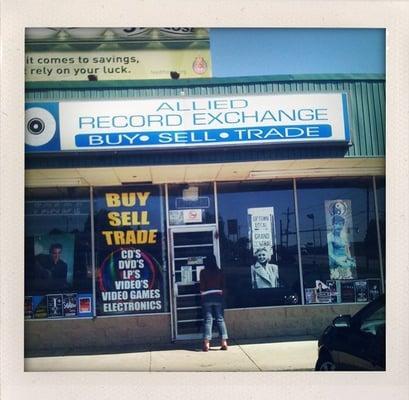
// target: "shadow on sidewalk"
[[187, 345]]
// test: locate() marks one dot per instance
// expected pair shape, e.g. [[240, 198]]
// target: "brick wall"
[[64, 336], [105, 334], [284, 321]]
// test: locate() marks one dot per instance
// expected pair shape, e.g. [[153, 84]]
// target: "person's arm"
[[61, 271], [65, 270], [222, 282], [66, 283], [272, 275], [40, 271], [333, 260], [202, 281], [347, 247]]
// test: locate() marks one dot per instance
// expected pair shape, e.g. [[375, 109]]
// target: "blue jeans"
[[208, 308]]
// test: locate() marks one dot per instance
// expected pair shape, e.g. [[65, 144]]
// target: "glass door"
[[189, 248]]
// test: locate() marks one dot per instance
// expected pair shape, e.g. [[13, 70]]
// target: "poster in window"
[[70, 305], [264, 271], [348, 292], [84, 305], [54, 306], [338, 215], [334, 289], [53, 261], [40, 307], [28, 307], [323, 292], [130, 274], [361, 291], [374, 288], [310, 295]]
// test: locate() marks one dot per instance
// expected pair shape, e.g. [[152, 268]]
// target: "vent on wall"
[[55, 182], [311, 172], [137, 183]]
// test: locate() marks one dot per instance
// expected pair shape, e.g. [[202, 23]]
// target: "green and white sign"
[[117, 65]]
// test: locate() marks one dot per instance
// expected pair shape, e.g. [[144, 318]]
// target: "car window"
[[374, 323]]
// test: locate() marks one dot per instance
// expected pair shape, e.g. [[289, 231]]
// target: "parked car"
[[355, 343]]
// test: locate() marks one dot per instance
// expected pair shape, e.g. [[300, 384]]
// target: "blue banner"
[[209, 136]]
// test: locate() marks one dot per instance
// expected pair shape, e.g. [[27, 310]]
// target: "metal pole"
[[170, 268], [378, 229], [94, 288], [367, 220], [313, 230], [297, 223], [216, 213], [281, 233], [163, 244]]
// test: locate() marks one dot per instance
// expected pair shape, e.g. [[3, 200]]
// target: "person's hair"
[[210, 263], [55, 246], [338, 218], [260, 249]]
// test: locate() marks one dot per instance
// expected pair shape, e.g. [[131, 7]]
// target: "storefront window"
[[131, 271], [58, 264], [191, 204], [338, 237], [258, 243]]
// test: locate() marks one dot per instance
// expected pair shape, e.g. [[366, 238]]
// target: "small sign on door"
[[195, 260], [199, 268], [192, 215], [186, 274], [191, 193]]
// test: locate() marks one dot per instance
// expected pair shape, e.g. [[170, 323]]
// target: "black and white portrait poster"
[[338, 215]]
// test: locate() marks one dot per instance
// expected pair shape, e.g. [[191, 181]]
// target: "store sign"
[[128, 236], [56, 207], [187, 122]]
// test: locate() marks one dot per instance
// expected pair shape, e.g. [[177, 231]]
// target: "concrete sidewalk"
[[279, 354]]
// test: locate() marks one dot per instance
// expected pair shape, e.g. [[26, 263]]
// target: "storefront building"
[[129, 186]]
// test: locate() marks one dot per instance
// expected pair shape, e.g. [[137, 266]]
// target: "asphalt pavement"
[[267, 354]]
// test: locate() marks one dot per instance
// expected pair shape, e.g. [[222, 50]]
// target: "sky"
[[266, 51]]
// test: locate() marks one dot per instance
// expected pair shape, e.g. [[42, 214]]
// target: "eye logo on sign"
[[41, 132]]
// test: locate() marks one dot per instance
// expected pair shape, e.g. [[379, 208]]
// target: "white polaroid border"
[[18, 14]]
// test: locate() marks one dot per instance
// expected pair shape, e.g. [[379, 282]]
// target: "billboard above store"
[[106, 54], [186, 122]]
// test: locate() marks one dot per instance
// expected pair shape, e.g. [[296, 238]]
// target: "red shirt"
[[211, 280]]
